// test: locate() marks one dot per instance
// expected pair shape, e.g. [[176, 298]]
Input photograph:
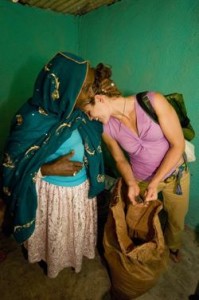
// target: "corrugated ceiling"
[[74, 7]]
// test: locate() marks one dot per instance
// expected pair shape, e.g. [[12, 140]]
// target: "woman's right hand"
[[62, 166], [133, 192]]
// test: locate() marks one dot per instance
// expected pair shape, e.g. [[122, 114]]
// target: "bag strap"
[[146, 105]]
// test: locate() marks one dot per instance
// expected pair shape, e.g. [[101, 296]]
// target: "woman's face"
[[99, 110], [87, 91]]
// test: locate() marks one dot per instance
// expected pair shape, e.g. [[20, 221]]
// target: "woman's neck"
[[122, 107]]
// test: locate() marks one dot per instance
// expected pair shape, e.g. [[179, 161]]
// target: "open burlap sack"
[[134, 246]]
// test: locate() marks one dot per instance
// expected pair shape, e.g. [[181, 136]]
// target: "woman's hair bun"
[[102, 72]]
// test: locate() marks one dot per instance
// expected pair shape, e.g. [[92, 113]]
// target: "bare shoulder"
[[159, 102], [156, 96]]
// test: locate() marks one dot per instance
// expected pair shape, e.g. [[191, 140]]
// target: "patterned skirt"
[[66, 227]]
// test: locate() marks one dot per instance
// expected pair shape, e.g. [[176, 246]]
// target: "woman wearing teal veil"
[[53, 167]]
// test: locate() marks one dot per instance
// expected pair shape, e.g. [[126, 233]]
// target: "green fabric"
[[177, 101], [38, 130]]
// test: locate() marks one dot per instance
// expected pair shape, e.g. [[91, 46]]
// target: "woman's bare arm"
[[172, 130]]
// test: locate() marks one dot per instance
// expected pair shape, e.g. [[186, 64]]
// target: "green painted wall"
[[28, 38], [151, 45]]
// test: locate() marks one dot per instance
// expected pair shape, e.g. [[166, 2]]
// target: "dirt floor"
[[181, 281], [20, 280]]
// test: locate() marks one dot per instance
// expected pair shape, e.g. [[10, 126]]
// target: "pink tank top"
[[147, 149]]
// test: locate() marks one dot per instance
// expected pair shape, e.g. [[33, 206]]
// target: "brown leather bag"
[[134, 245]]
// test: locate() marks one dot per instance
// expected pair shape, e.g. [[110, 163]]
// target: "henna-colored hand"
[[62, 166]]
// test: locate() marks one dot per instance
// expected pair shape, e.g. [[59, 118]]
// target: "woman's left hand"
[[151, 193]]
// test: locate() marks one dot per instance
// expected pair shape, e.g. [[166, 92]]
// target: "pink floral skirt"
[[66, 227]]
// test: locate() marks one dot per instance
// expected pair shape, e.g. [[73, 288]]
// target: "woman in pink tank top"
[[155, 151]]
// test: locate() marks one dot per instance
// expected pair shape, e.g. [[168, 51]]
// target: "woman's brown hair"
[[103, 84]]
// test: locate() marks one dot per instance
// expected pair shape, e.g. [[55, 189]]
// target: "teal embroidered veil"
[[43, 123]]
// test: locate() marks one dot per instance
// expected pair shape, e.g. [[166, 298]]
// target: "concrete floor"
[[181, 280], [20, 280]]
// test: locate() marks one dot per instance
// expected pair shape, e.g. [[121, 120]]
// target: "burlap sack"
[[134, 246]]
